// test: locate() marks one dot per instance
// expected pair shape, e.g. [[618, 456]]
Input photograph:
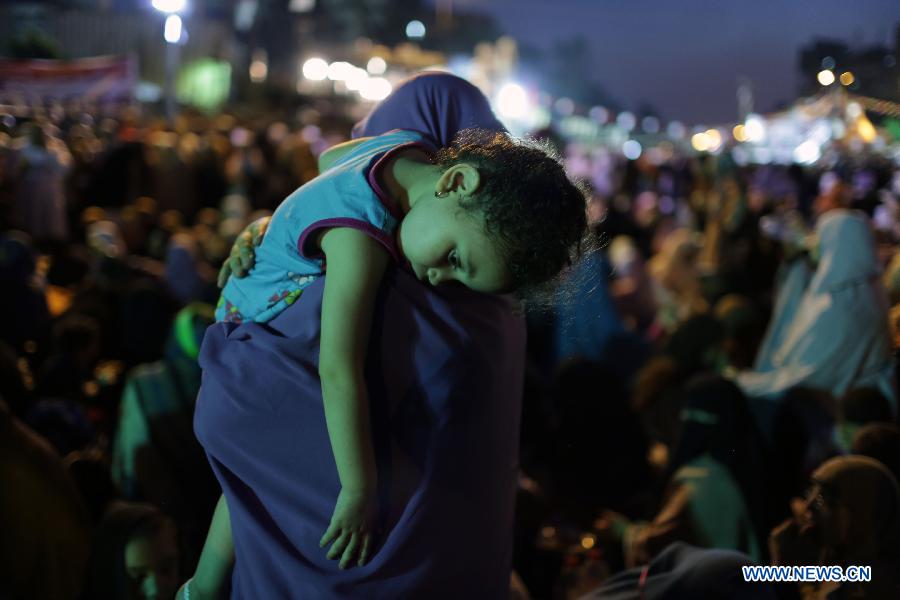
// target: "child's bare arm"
[[216, 559], [356, 265], [330, 155]]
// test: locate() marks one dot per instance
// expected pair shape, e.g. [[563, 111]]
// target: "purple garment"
[[444, 375], [444, 378], [435, 103]]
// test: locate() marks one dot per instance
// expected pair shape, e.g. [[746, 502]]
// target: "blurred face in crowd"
[[823, 517], [151, 563]]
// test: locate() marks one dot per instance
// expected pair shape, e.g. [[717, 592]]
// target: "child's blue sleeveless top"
[[346, 195]]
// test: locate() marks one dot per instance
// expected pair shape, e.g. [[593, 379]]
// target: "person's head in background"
[[859, 407], [743, 327], [850, 516], [657, 399], [880, 441], [833, 193], [135, 555]]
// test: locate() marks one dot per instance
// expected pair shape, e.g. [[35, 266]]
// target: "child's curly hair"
[[526, 201]]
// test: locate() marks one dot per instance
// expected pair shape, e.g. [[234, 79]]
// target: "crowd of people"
[[713, 386]]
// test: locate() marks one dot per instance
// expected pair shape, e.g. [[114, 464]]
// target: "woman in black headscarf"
[[713, 498]]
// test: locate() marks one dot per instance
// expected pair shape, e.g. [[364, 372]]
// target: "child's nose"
[[437, 275]]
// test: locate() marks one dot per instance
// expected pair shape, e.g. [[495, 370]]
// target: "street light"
[[172, 33], [825, 77]]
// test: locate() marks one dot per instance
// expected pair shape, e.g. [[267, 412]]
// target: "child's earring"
[[443, 194]]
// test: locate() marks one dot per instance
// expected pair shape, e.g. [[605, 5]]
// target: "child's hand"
[[242, 256], [352, 528]]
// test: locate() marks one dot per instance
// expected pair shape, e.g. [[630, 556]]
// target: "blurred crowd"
[[713, 387]]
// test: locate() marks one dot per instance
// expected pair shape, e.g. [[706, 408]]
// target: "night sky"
[[684, 56]]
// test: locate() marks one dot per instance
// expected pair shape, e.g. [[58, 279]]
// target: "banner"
[[105, 78]]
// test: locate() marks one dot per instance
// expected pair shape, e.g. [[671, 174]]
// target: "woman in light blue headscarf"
[[834, 335]]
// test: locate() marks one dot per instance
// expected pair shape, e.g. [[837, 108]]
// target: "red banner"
[[102, 78]]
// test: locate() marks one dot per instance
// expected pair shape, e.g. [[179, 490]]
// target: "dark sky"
[[684, 56]]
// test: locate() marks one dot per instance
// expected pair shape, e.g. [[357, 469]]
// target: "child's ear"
[[466, 179], [462, 178]]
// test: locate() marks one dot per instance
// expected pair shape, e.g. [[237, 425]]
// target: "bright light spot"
[[340, 71], [807, 153], [866, 129], [301, 6], [315, 69], [356, 79], [415, 30], [714, 138], [821, 132], [847, 78], [854, 110], [700, 142], [588, 541], [631, 149], [650, 124], [599, 114], [376, 88], [258, 71], [376, 65], [825, 77], [564, 106], [828, 63], [740, 133], [676, 130], [173, 29], [169, 6], [512, 101], [626, 120], [755, 128]]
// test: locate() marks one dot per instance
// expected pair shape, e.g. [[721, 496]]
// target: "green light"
[[204, 83]]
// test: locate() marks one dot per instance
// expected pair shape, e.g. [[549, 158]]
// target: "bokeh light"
[[825, 77], [755, 128], [376, 65], [173, 29], [847, 78], [415, 30], [807, 153], [169, 6], [315, 69], [700, 142], [340, 71], [626, 120], [376, 88], [512, 102], [632, 149]]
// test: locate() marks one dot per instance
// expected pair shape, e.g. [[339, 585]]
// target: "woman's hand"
[[243, 255], [352, 529]]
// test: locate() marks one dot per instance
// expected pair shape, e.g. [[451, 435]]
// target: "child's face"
[[443, 243]]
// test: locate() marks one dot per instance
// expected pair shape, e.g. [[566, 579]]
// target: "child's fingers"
[[247, 258], [337, 548], [350, 552], [224, 272], [258, 229], [366, 548], [331, 534]]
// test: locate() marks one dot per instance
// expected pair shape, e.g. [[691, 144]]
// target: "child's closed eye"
[[453, 260]]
